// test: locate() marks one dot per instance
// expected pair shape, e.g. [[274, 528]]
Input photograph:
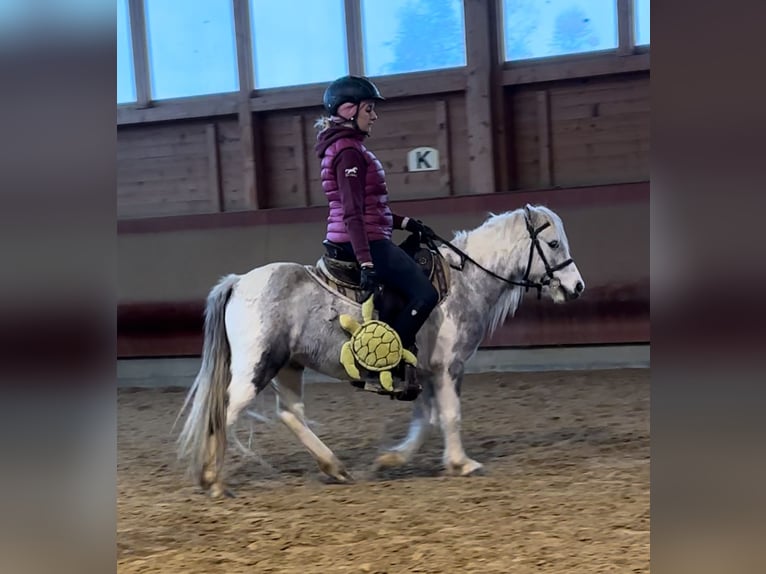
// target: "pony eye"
[[554, 244]]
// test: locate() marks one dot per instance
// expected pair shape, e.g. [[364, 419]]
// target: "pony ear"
[[529, 211]]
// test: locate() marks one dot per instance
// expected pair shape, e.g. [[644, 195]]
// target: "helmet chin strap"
[[356, 126]]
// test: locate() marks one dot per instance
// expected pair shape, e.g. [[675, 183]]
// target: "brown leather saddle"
[[338, 271]]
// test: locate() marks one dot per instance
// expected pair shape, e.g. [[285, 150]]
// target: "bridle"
[[534, 246]]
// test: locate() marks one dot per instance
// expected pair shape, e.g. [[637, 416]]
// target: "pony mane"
[[506, 306], [461, 236], [482, 240]]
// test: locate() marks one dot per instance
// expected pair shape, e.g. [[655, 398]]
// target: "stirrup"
[[406, 385], [398, 380], [412, 388]]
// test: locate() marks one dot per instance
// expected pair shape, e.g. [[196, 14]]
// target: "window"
[[412, 35], [302, 46], [536, 28], [192, 47], [641, 22], [126, 79]]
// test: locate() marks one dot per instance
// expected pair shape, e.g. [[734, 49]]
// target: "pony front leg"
[[289, 389], [448, 402]]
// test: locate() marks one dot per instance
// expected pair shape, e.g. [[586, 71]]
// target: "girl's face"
[[366, 116]]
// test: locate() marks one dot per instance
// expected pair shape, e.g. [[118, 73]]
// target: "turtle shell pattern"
[[377, 346]]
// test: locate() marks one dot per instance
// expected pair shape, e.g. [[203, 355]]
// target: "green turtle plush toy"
[[374, 344]]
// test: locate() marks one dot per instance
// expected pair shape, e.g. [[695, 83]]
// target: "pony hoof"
[[218, 490], [389, 459], [337, 472], [339, 478], [466, 468], [343, 476]]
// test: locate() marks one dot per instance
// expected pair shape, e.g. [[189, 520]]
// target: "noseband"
[[533, 246]]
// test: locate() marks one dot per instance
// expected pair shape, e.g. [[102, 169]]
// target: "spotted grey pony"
[[268, 325]]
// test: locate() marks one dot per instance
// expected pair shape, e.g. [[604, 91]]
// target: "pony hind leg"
[[246, 382], [289, 388], [240, 392]]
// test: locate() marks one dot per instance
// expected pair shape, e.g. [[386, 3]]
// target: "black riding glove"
[[368, 280], [417, 226]]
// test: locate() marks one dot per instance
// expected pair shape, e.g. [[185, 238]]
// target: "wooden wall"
[[179, 168], [580, 132], [195, 166], [568, 133]]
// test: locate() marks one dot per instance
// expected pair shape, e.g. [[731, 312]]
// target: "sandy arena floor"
[[565, 487]]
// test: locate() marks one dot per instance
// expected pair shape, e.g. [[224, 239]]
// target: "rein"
[[525, 282]]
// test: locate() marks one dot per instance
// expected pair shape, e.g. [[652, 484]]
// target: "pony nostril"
[[579, 287]]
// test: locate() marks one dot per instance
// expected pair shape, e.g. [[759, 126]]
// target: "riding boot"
[[412, 387], [400, 372]]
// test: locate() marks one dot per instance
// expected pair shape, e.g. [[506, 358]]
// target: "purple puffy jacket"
[[377, 216]]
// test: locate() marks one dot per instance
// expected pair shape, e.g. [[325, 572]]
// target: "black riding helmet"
[[354, 89]]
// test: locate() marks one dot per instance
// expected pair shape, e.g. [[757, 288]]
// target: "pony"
[[266, 326]]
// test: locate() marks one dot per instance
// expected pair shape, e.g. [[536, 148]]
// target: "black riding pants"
[[398, 271]]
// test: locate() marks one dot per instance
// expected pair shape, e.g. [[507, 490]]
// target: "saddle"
[[338, 271]]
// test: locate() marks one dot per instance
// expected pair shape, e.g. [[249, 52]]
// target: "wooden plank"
[[605, 151], [401, 143], [509, 179], [354, 41], [247, 142], [245, 116], [301, 176], [637, 109], [501, 126], [501, 116], [443, 145], [283, 189], [180, 109], [625, 12], [612, 131], [524, 136], [417, 185], [160, 156], [478, 97], [134, 152], [603, 92], [173, 163], [230, 156], [214, 168], [166, 209], [161, 195], [181, 172], [563, 68], [544, 138], [140, 53], [175, 133], [458, 140], [287, 98]]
